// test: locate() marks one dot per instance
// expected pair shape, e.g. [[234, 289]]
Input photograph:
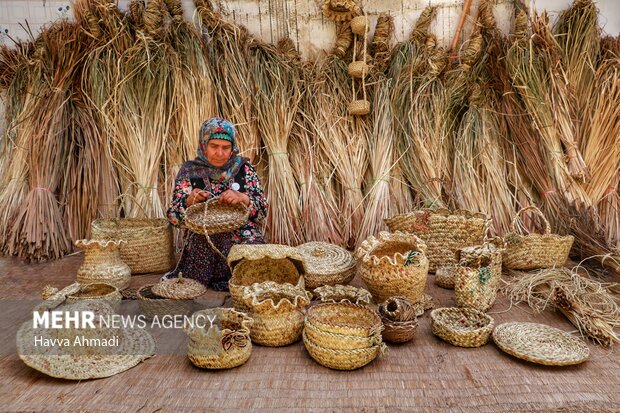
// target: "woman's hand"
[[232, 197], [197, 195]]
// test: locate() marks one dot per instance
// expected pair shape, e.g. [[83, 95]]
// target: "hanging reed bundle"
[[380, 47], [589, 305]]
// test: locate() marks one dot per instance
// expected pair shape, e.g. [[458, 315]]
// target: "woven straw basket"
[[155, 306], [149, 242], [258, 263], [342, 294], [399, 331], [360, 25], [213, 217], [342, 359], [477, 277], [359, 108], [102, 263], [358, 69], [444, 276], [397, 309], [532, 251], [327, 264], [444, 232], [462, 327], [97, 292], [340, 10], [223, 345], [393, 265], [277, 311]]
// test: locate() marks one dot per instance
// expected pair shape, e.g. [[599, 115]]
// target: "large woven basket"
[[214, 217], [342, 359], [154, 306], [277, 311], [222, 345], [327, 264], [462, 327], [149, 246], [443, 231], [532, 251], [342, 293], [393, 265], [258, 263]]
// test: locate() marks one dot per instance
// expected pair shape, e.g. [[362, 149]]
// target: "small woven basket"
[[149, 246], [258, 263], [393, 265], [358, 69], [97, 292], [222, 345], [397, 309], [277, 311], [359, 108], [154, 306], [532, 251], [477, 277], [344, 319], [179, 288], [443, 231], [399, 331], [102, 263], [340, 10], [336, 341], [343, 294], [462, 327], [214, 217], [342, 359], [444, 276], [327, 264], [360, 25]]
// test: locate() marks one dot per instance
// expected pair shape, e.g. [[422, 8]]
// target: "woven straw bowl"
[[102, 263], [214, 217], [399, 331], [258, 263], [443, 231], [359, 108], [360, 25], [342, 359], [278, 312], [533, 251], [149, 246], [358, 69], [224, 345], [98, 292], [154, 306], [462, 327], [343, 293], [336, 341], [393, 265], [327, 264], [444, 276], [346, 319], [539, 343]]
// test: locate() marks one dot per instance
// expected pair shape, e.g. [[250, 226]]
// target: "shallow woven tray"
[[540, 343], [213, 217], [327, 264], [462, 327]]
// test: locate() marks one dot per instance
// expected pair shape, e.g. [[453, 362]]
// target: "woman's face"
[[218, 152]]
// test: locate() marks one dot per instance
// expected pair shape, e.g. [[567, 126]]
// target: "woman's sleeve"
[[178, 204], [258, 200]]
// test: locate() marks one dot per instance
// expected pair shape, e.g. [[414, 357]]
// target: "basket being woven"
[[539, 343], [214, 217], [149, 246], [463, 327], [219, 338], [277, 311], [343, 293], [393, 265], [267, 262], [532, 251], [327, 264], [443, 231]]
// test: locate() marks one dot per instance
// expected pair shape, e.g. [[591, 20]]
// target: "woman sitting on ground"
[[218, 170]]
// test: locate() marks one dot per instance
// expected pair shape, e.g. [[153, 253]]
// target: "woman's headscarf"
[[216, 128]]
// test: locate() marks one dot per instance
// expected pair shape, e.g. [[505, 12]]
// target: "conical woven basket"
[[327, 264], [102, 263], [532, 251], [277, 311], [258, 263], [222, 345], [394, 264], [443, 231], [462, 327], [149, 246]]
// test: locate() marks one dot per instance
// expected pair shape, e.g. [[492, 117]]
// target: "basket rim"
[[104, 223], [435, 318], [198, 209], [438, 211], [377, 325], [366, 250], [255, 252], [199, 333], [300, 297]]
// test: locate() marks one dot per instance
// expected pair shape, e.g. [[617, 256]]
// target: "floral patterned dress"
[[198, 260]]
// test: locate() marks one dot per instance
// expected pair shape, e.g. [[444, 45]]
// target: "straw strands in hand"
[[588, 304]]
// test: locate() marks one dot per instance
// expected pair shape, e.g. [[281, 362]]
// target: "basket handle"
[[537, 212], [206, 233]]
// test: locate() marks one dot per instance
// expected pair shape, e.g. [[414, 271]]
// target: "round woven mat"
[[324, 258], [217, 218], [179, 289], [540, 344]]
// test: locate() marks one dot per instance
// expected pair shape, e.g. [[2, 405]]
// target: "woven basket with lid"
[[149, 246], [443, 231], [180, 288], [278, 311], [532, 251], [156, 306], [103, 263], [394, 264], [263, 262], [326, 264]]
